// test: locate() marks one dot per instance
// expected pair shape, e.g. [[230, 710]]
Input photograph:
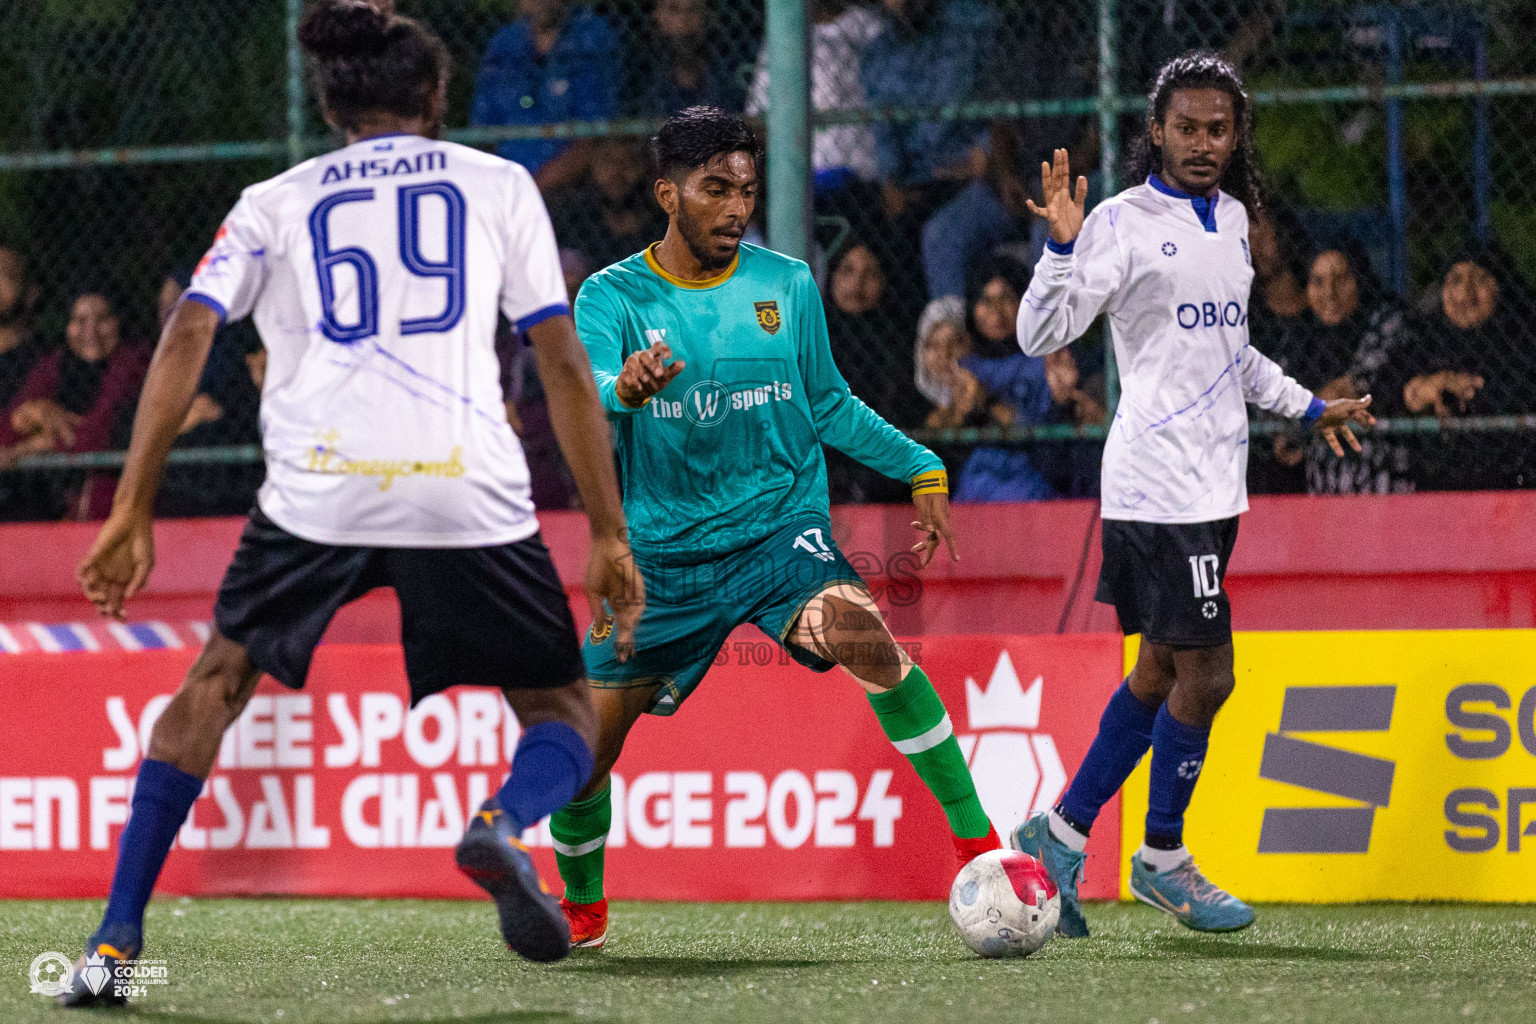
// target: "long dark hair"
[[1203, 69], [368, 59]]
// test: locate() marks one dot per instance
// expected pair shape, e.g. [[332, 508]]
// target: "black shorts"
[[494, 616], [1167, 580]]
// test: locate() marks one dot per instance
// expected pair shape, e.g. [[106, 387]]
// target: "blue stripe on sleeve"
[[209, 301], [538, 316]]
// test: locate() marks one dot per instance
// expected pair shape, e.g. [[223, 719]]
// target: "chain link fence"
[[1397, 256]]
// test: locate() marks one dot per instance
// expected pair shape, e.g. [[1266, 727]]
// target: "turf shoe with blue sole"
[[1064, 864], [492, 854], [95, 982], [1189, 897]]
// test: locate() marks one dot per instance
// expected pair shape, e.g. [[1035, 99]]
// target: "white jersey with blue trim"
[[375, 275], [1172, 274]]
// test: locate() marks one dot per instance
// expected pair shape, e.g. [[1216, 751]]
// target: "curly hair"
[[1203, 69]]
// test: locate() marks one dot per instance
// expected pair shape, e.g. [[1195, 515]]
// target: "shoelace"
[[1199, 886]]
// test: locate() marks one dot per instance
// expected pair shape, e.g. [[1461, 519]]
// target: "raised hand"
[[1063, 209], [1337, 417], [646, 373]]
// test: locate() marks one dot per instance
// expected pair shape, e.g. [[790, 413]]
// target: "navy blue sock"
[[551, 764], [161, 799], [1125, 732], [1178, 754]]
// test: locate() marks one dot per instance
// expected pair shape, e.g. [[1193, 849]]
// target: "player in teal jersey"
[[725, 486]]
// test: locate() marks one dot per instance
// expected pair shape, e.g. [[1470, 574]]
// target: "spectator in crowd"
[[20, 347], [1477, 357], [928, 53], [868, 326], [840, 154], [558, 62], [1277, 305], [1349, 342], [610, 215], [80, 399], [1071, 467], [223, 412], [971, 389], [682, 60]]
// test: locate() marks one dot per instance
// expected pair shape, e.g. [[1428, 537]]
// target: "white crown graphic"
[[1004, 703]]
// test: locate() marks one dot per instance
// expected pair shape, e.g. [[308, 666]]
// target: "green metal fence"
[[901, 135]]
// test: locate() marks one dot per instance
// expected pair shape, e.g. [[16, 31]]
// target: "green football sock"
[[916, 723], [580, 831]]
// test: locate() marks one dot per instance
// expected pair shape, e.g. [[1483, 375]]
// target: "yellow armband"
[[935, 481]]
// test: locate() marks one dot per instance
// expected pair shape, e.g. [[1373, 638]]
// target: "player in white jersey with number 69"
[[375, 275], [1167, 263]]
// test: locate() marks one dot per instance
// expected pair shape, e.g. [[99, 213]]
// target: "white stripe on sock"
[[579, 851], [926, 741]]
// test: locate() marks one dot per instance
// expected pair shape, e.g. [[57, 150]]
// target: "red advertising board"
[[770, 783]]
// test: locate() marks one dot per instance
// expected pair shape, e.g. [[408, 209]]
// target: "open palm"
[[1064, 206]]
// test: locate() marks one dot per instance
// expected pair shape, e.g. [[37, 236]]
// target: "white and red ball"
[[1004, 904]]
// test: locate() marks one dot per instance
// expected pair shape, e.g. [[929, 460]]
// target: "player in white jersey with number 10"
[[375, 275], [1167, 263]]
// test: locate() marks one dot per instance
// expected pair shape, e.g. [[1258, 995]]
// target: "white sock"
[[1065, 833], [1163, 860]]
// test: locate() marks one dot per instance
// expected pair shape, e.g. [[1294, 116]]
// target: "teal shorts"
[[691, 609]]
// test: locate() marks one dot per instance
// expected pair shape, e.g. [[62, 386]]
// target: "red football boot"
[[589, 922], [966, 850]]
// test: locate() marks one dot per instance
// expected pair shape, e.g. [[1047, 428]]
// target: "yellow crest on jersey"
[[768, 316], [600, 633]]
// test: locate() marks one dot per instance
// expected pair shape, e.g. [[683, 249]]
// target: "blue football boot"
[[492, 854], [1064, 863], [96, 982], [1189, 897]]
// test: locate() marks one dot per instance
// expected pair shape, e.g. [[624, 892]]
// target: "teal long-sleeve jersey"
[[730, 451]]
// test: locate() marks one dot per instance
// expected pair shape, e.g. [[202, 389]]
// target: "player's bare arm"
[[1336, 418], [577, 416], [1063, 207], [119, 562], [646, 373]]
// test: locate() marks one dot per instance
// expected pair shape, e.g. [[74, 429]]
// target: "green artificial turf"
[[895, 963]]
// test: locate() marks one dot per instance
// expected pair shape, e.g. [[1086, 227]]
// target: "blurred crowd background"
[[1396, 257]]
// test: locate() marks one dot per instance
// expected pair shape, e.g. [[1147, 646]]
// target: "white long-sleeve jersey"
[[1173, 274]]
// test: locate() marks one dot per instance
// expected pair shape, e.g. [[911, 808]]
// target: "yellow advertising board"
[[1367, 766]]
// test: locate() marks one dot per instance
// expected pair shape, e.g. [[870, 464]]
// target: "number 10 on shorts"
[[1204, 570]]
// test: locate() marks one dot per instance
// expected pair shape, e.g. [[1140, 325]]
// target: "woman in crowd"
[[968, 388], [1349, 341], [1071, 467], [79, 399], [868, 326], [1476, 357]]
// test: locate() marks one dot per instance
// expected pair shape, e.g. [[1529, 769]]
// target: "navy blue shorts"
[[494, 616], [1167, 581]]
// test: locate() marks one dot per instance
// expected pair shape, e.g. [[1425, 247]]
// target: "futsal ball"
[[1004, 904]]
